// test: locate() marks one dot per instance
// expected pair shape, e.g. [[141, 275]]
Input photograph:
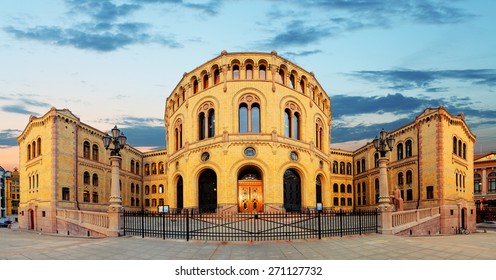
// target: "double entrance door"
[[250, 196]]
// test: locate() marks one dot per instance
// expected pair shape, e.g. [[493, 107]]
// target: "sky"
[[115, 62]]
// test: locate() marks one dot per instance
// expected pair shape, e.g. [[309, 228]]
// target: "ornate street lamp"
[[383, 144], [115, 208]]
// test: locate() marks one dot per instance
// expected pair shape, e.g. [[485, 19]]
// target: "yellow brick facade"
[[245, 132]]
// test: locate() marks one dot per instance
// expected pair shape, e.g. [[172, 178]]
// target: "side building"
[[12, 192]]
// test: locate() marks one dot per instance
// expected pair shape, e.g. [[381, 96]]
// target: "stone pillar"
[[484, 182], [386, 220], [115, 208], [384, 200]]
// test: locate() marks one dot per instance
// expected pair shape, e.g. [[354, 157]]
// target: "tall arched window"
[[341, 168], [376, 159], [455, 141], [29, 151], [206, 120], [292, 80], [132, 166], [292, 116], [235, 72], [409, 177], [376, 190], [459, 148], [319, 131], [281, 76], [363, 165], [154, 168], [178, 134], [400, 179], [39, 146], [249, 114], [348, 168], [195, 86], [464, 151], [335, 167], [34, 149], [95, 180], [216, 76], [358, 166], [147, 169], [94, 152], [249, 72], [86, 178], [137, 168], [399, 148], [408, 148], [161, 168], [132, 187], [302, 85], [86, 149], [262, 72], [205, 81]]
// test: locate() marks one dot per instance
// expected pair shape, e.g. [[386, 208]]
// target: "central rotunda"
[[248, 132]]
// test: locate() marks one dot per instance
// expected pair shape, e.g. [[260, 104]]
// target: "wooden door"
[[31, 220], [250, 196]]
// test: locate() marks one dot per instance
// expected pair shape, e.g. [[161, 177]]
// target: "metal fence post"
[[163, 225], [319, 226], [142, 223], [187, 224], [341, 222], [360, 221], [124, 222]]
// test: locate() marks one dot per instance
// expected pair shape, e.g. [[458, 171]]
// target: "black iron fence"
[[190, 225]]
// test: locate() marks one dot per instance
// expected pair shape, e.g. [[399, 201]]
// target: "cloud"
[[297, 34], [8, 137], [17, 109], [301, 54], [406, 79], [356, 118]]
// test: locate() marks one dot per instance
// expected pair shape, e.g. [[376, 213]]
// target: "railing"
[[97, 221], [402, 220], [190, 225]]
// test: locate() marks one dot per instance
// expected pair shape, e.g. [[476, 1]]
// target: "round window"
[[250, 152], [293, 156], [205, 156]]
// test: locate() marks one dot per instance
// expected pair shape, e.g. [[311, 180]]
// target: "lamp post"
[[383, 144], [118, 140]]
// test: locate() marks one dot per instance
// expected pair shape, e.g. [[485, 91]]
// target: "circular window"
[[250, 152], [205, 156], [294, 156]]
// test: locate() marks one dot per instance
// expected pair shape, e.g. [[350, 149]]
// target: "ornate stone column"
[[115, 208]]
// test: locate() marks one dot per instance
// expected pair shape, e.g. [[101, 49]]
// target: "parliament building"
[[246, 132]]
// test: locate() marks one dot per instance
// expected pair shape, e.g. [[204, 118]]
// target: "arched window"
[[154, 168], [409, 177], [319, 131], [348, 188], [86, 149], [195, 86], [459, 148], [34, 149], [95, 155], [408, 148], [302, 85], [292, 81], [132, 166], [205, 81], [161, 188], [137, 168], [335, 167], [363, 165], [147, 169], [86, 178], [335, 188], [358, 167], [39, 146], [161, 168], [132, 187], [348, 168], [262, 72], [206, 120], [249, 72], [132, 201], [216, 76], [292, 117], [377, 190], [29, 151], [154, 189], [341, 168], [342, 188], [137, 189], [455, 141], [399, 148], [178, 134], [376, 159], [281, 76], [235, 72], [95, 180], [147, 189], [464, 151], [249, 114], [400, 179], [491, 186]]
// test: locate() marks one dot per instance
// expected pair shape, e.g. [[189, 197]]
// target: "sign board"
[[319, 206], [163, 208]]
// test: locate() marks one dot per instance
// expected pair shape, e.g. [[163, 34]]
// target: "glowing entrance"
[[250, 190]]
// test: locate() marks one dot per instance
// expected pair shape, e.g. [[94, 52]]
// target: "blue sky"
[[116, 62]]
